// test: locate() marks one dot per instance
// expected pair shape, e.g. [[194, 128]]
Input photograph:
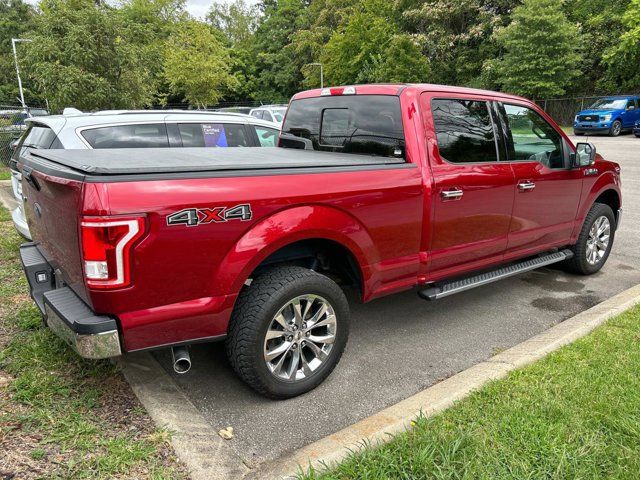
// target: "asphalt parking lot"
[[401, 344]]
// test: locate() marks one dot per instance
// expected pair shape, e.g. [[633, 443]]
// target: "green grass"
[[5, 173], [62, 416], [573, 415]]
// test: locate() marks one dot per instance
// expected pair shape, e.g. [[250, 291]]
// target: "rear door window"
[[464, 130], [147, 135], [362, 124], [213, 135]]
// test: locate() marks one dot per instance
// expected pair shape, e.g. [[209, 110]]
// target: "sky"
[[197, 8]]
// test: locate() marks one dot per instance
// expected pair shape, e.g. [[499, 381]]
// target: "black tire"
[[579, 263], [637, 135], [615, 129], [255, 309], [578, 134]]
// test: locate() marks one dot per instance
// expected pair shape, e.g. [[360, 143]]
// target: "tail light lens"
[[106, 250]]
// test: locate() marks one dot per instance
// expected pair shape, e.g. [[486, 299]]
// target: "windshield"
[[609, 104], [349, 124], [278, 116]]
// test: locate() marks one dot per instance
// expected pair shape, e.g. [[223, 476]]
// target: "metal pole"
[[15, 58]]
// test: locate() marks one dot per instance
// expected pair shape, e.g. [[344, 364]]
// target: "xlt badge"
[[192, 217]]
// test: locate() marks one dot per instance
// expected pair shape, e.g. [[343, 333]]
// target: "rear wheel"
[[616, 128], [288, 331], [594, 242]]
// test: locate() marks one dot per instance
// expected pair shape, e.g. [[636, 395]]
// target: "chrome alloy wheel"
[[598, 240], [300, 338]]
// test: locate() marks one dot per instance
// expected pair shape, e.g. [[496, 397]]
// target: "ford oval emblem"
[[37, 209]]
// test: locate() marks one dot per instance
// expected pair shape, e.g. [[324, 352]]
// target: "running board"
[[445, 289]]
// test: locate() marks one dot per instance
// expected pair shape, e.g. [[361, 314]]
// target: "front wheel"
[[578, 134], [616, 128], [594, 242], [288, 331]]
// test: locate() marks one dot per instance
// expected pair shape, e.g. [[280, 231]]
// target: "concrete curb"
[[380, 427], [208, 456], [203, 451]]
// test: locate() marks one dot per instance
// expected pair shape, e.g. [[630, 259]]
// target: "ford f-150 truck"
[[382, 188]]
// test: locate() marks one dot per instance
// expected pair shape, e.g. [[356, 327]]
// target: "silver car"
[[138, 129]]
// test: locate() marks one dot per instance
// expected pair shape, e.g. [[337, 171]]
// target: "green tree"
[[82, 55], [16, 17], [238, 21], [278, 66], [600, 24], [197, 63], [540, 51], [368, 46], [623, 57], [456, 35]]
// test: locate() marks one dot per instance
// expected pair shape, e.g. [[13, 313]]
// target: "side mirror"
[[585, 155]]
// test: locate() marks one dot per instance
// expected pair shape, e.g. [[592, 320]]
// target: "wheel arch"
[[606, 191], [292, 234]]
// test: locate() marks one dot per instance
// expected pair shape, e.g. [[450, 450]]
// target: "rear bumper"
[[90, 335]]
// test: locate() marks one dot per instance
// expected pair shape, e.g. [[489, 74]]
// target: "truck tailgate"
[[52, 206]]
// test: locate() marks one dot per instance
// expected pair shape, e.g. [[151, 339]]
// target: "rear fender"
[[289, 226]]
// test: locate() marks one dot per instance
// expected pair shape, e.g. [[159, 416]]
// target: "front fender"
[[606, 181], [289, 226]]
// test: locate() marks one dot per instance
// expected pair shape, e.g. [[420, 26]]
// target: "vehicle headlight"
[[576, 118], [606, 118]]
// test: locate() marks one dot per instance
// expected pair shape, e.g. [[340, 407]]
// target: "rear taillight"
[[106, 249]]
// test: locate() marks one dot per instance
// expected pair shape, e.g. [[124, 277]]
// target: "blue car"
[[609, 115], [636, 129]]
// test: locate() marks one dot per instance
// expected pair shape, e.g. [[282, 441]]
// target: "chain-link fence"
[[11, 127], [563, 110]]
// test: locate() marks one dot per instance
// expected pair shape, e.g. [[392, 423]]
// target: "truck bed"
[[151, 161]]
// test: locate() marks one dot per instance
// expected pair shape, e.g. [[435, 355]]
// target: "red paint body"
[[402, 234]]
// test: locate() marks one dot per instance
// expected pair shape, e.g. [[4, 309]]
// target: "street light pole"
[[15, 58], [321, 73]]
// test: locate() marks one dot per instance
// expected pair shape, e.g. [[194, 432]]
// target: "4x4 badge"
[[197, 216]]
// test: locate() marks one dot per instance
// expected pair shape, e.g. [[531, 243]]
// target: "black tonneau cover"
[[133, 161]]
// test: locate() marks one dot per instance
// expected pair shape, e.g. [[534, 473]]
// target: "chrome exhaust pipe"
[[181, 359]]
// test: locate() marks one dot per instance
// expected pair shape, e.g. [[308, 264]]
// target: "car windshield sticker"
[[214, 135]]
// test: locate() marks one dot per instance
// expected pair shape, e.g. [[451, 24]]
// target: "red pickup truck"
[[376, 188]]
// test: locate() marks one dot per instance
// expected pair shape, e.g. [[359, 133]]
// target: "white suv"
[[271, 113], [138, 129]]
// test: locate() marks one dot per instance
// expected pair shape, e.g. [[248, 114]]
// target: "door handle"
[[453, 194], [526, 186]]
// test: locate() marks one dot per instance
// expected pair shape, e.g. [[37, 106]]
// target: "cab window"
[[464, 131], [530, 137]]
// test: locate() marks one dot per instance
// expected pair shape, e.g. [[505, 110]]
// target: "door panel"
[[472, 193], [547, 192]]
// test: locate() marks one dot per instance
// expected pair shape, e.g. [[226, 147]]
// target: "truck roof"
[[398, 88]]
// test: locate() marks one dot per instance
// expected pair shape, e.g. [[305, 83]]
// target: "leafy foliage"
[[541, 50], [95, 54], [196, 63]]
